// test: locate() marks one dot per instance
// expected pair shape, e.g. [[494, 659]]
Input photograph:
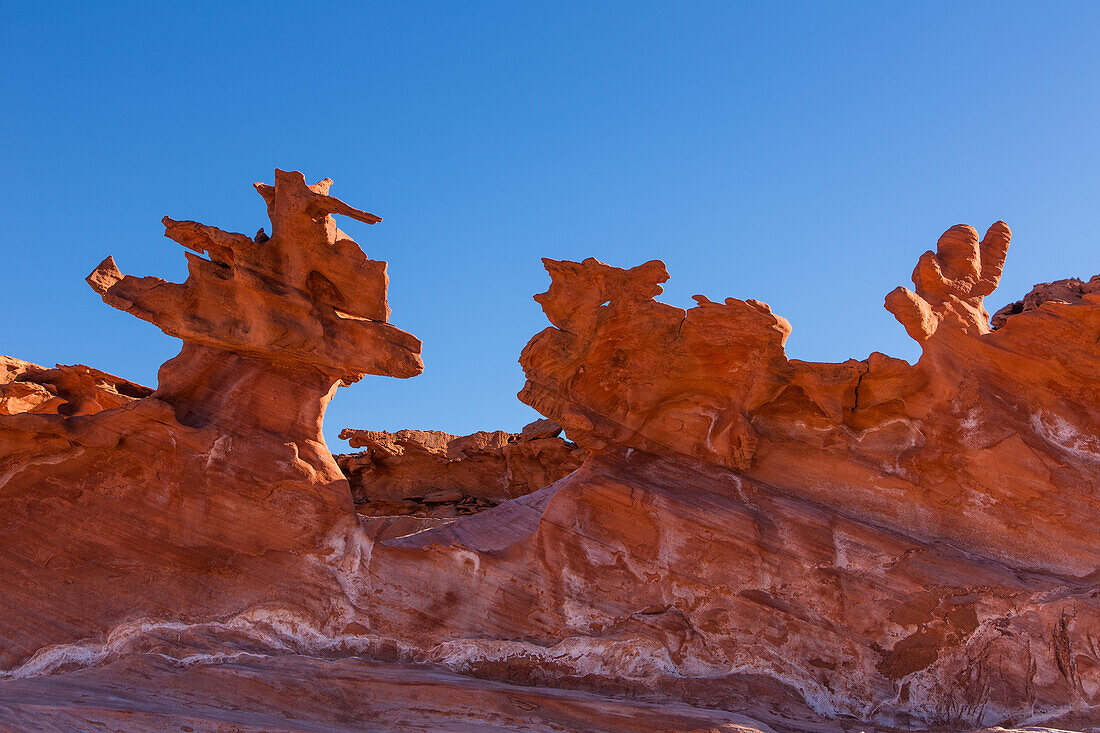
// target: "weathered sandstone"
[[73, 389], [1072, 290], [216, 492], [429, 473], [988, 443], [813, 546]]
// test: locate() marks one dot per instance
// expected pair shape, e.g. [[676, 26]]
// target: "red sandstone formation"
[[429, 473], [67, 389], [216, 492], [988, 433], [1072, 290], [969, 585], [810, 545]]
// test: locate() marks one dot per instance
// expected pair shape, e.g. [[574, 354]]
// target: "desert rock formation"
[[988, 434], [431, 473], [216, 491], [67, 389], [749, 542], [1072, 290]]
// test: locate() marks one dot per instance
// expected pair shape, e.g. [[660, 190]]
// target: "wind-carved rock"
[[217, 491], [1070, 290], [940, 519], [989, 432], [265, 318], [915, 546], [623, 369], [951, 283], [67, 389], [430, 473]]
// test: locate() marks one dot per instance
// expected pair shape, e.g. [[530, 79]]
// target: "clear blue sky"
[[802, 154]]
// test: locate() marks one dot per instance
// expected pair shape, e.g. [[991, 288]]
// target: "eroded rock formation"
[[989, 434], [430, 473], [67, 389], [215, 492], [969, 584], [1072, 290], [811, 545]]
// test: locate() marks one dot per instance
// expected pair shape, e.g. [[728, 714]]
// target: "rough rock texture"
[[67, 389], [987, 437], [429, 473], [940, 519], [819, 547], [1072, 290], [258, 693], [217, 491]]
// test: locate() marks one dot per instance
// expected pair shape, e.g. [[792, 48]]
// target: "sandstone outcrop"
[[430, 473], [216, 491], [813, 546], [1072, 290], [989, 435], [67, 389]]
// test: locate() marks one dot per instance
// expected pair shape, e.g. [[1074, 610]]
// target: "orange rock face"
[[749, 542], [989, 434], [1072, 290]]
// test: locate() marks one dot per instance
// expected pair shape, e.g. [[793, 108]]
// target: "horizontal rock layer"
[[73, 389]]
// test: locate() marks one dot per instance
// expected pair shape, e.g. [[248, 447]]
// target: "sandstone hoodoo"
[[216, 491], [728, 540]]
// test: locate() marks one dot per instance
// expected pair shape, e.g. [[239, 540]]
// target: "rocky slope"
[[749, 542]]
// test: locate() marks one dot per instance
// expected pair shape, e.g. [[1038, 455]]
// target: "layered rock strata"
[[1072, 290], [67, 389], [215, 492], [988, 443], [819, 546]]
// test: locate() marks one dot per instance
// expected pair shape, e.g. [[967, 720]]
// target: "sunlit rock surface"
[[68, 389], [216, 492], [1071, 290], [750, 543]]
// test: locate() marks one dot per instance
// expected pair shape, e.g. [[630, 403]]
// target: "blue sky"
[[803, 154]]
